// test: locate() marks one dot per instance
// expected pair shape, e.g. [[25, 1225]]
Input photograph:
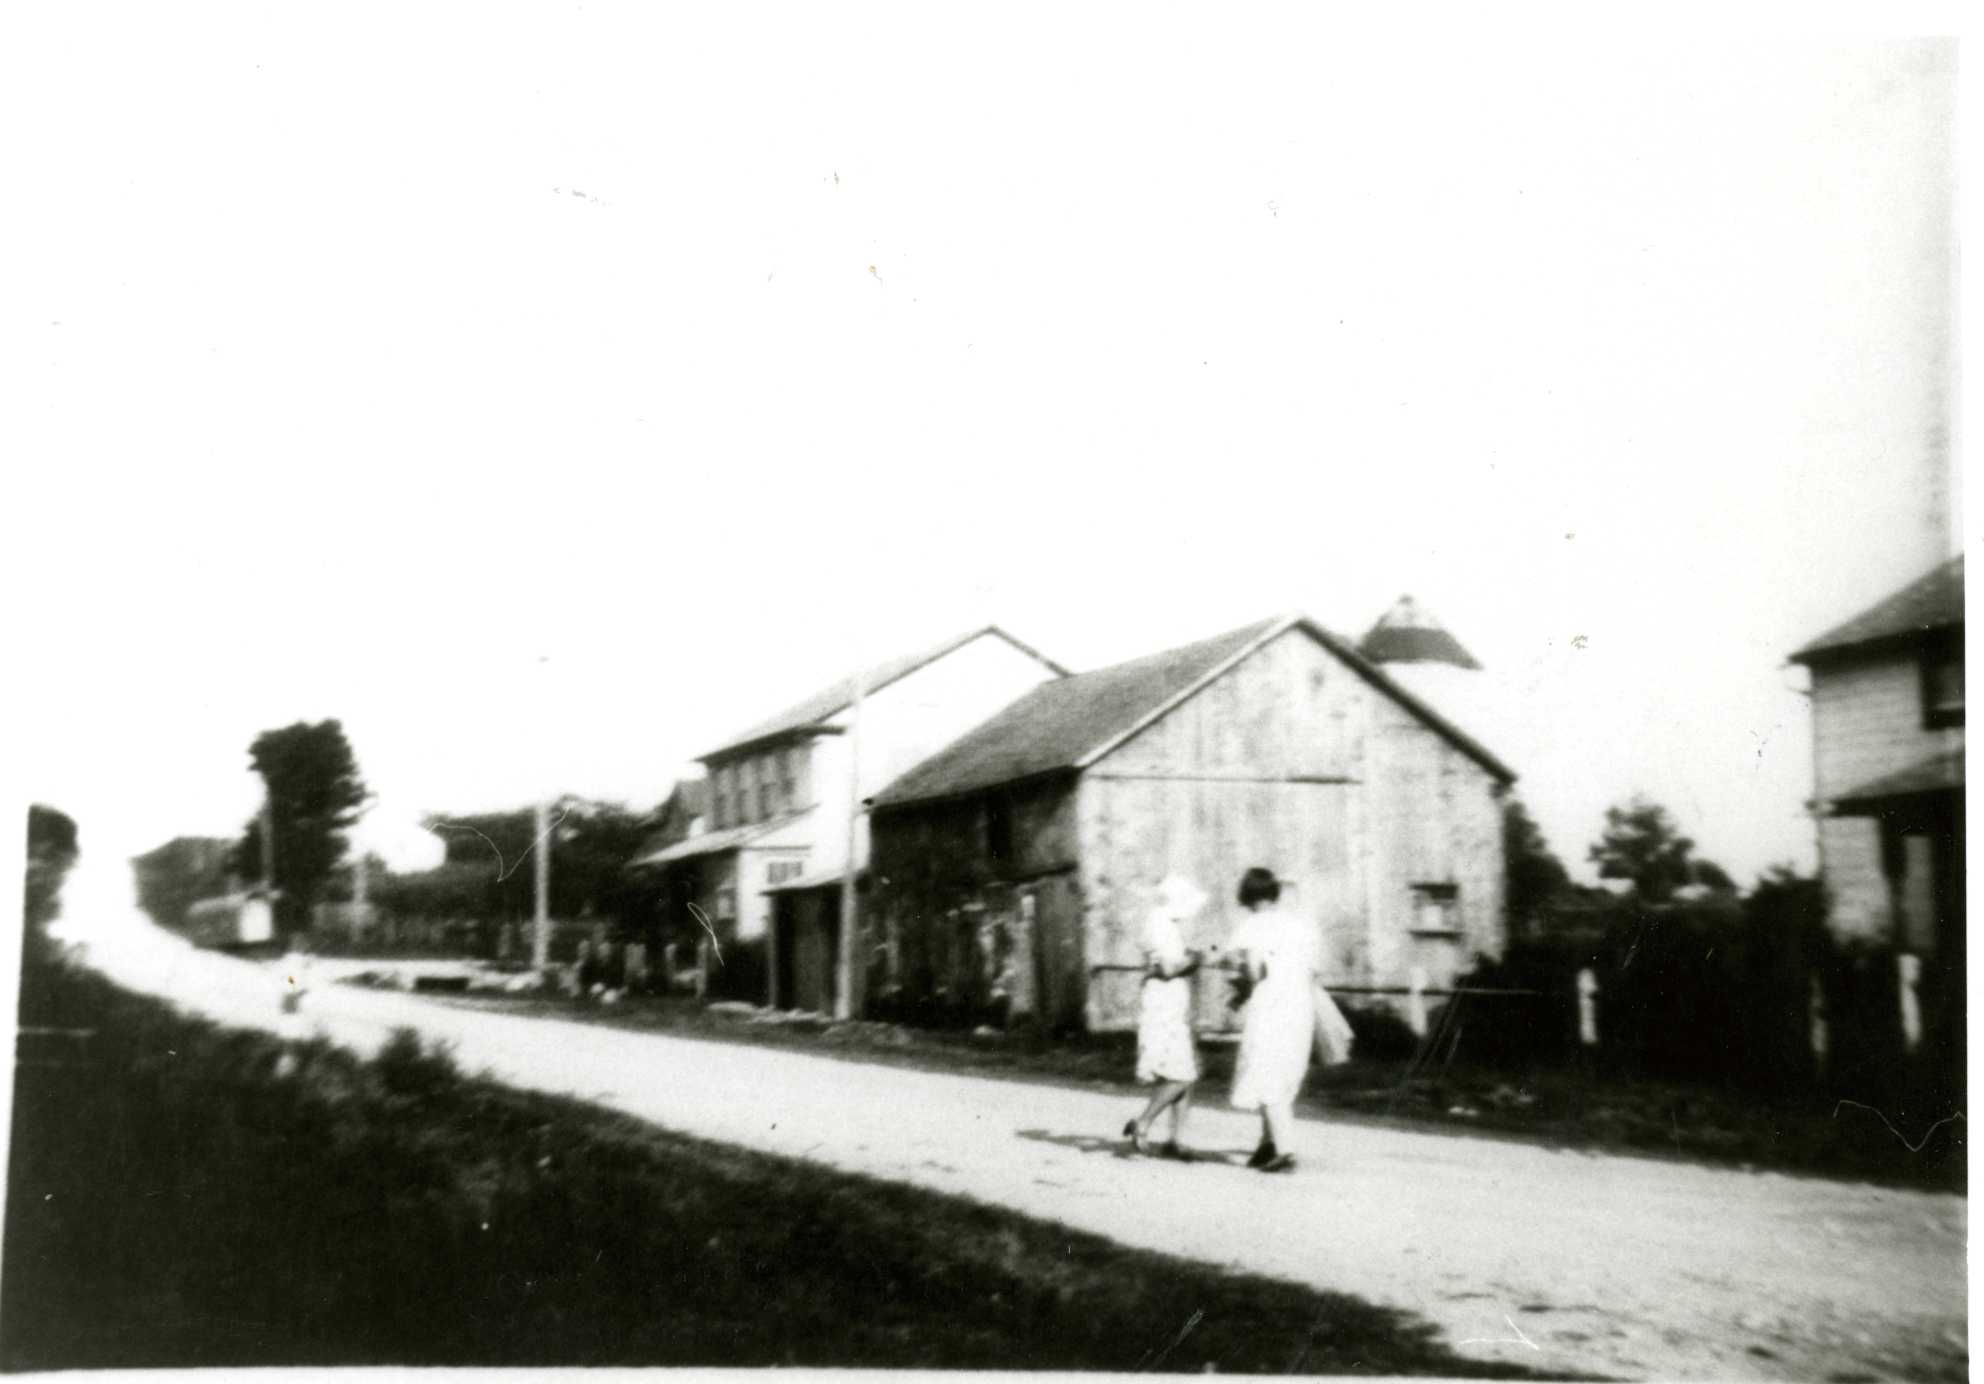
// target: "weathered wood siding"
[[1293, 761], [1435, 824], [953, 926], [1867, 721], [1138, 830]]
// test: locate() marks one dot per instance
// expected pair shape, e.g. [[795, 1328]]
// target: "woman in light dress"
[[1279, 956], [1166, 1056]]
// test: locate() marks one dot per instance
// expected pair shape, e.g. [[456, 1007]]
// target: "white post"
[[1908, 969], [1415, 1002], [1587, 1008], [1821, 1029], [540, 946], [850, 911]]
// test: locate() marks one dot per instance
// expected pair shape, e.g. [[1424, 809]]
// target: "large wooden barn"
[[1011, 870]]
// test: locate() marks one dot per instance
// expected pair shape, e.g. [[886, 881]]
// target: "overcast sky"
[[548, 392]]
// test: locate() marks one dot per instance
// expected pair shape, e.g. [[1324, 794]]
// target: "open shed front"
[[805, 945]]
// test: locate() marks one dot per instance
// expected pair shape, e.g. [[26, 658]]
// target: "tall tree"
[[1642, 844], [1535, 874], [313, 792]]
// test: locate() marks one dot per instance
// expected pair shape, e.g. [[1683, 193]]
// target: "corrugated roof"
[[1069, 724], [1408, 633], [830, 701], [1931, 602], [1938, 773]]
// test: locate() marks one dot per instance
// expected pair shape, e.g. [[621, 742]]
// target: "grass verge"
[[183, 1195]]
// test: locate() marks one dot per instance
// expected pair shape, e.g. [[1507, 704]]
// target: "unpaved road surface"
[[1561, 1262]]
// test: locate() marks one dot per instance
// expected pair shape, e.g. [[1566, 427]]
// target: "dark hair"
[[1259, 885]]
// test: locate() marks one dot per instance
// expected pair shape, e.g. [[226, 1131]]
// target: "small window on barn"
[[1942, 685], [1436, 910], [726, 904], [999, 827]]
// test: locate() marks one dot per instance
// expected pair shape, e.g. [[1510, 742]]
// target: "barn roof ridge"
[[1072, 723]]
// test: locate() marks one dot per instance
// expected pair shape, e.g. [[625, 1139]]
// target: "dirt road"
[[1562, 1262]]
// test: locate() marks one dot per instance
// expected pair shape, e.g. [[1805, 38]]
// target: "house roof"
[[837, 697], [691, 797], [1073, 722], [1408, 633], [717, 842], [686, 801], [1931, 602], [1938, 773]]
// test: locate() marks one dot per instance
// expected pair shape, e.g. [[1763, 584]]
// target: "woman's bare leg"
[[1167, 1093], [1280, 1123], [1178, 1108]]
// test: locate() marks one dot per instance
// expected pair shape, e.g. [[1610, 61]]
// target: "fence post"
[[1587, 1008], [1820, 1030], [1415, 1002], [1908, 974]]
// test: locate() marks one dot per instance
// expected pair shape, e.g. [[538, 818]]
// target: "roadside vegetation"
[[181, 1197]]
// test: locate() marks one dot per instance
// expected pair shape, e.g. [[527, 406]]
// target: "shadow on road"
[[1120, 1150]]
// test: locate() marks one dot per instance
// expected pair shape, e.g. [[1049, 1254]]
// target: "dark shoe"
[[1262, 1156], [1136, 1139], [1169, 1149], [1283, 1164]]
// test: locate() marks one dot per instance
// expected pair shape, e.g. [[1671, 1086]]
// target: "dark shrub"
[[1380, 1033]]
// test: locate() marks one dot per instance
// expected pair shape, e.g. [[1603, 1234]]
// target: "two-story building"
[[1013, 868], [1887, 744], [760, 883]]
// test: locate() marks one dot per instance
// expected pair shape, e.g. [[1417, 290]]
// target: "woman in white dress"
[[1279, 957], [1165, 1052]]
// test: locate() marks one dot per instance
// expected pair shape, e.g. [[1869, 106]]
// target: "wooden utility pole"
[[268, 845], [850, 908], [540, 944]]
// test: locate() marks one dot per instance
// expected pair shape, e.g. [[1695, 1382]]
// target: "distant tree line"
[[489, 867]]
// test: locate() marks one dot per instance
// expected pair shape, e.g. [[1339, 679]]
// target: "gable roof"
[[690, 797], [686, 801], [1408, 633], [837, 697], [1070, 724], [1933, 601]]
